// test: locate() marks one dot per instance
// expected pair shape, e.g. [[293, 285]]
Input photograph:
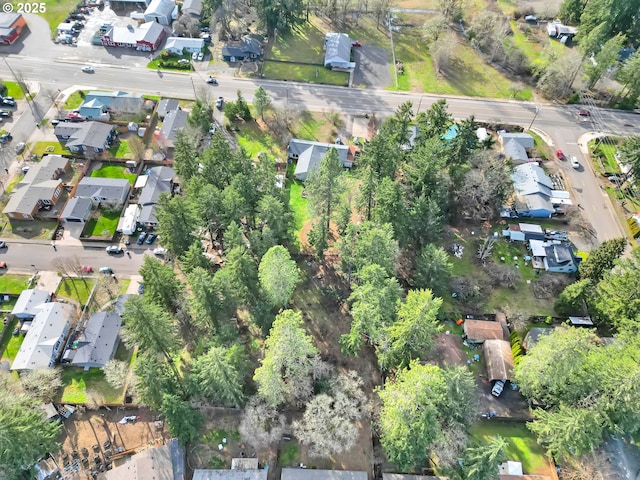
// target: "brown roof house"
[[477, 331], [499, 359], [40, 188]]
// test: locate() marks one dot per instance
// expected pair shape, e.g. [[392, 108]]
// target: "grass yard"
[[121, 150], [74, 100], [522, 445], [84, 386], [34, 229], [254, 140], [103, 225], [606, 151], [298, 204], [13, 284], [49, 148], [14, 90], [15, 342], [57, 11], [114, 170], [314, 126], [467, 75], [76, 289], [304, 73]]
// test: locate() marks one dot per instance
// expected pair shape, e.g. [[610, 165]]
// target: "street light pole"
[[538, 108]]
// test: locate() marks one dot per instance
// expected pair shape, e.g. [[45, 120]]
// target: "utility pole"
[[538, 108], [25, 91]]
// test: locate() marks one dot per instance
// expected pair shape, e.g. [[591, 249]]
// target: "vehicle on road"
[[152, 236], [3, 244], [584, 113], [160, 252], [141, 238], [3, 264], [114, 249], [20, 148], [212, 81], [86, 269], [105, 270], [561, 156], [575, 163], [219, 103], [356, 44], [88, 69], [6, 138], [497, 389]]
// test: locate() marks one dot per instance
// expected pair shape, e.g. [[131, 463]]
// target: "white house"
[[160, 11], [29, 303], [337, 51], [180, 45]]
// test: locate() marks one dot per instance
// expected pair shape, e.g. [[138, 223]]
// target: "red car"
[[75, 116], [561, 156], [3, 264], [356, 44], [86, 269], [584, 113]]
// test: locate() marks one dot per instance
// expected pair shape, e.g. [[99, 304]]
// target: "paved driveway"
[[373, 68]]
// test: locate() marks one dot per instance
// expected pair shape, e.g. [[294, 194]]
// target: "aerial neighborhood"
[[320, 241]]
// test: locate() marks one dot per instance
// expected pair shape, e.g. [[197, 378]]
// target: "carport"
[[499, 360]]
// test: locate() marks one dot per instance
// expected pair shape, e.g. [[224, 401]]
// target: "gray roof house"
[[337, 51], [515, 145], [229, 475], [45, 337], [166, 462], [248, 48], [499, 359], [313, 474], [160, 11], [560, 259], [76, 210], [97, 343], [159, 181], [39, 188], [165, 106], [29, 303], [85, 136], [309, 154], [193, 8], [533, 189], [174, 122], [113, 191], [98, 102]]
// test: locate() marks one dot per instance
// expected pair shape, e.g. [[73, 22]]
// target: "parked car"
[[141, 238], [3, 264], [200, 56], [213, 129], [20, 148], [105, 270], [6, 113], [8, 102], [86, 269], [88, 69], [219, 103], [212, 81], [114, 249], [615, 179], [561, 156], [584, 113], [183, 60], [141, 289], [575, 163], [356, 44], [3, 244], [194, 56], [497, 389], [75, 116], [152, 236], [6, 138], [160, 252]]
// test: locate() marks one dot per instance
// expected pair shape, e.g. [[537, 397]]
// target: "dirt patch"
[[84, 430], [448, 351]]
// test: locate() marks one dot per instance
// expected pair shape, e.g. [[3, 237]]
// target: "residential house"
[[45, 337], [558, 30], [309, 154], [581, 321], [533, 335], [85, 137], [533, 191], [181, 45], [523, 232], [11, 26], [40, 188], [479, 331], [173, 123], [144, 38], [159, 181], [29, 303], [249, 48], [499, 359], [166, 462], [516, 145], [560, 259], [161, 11], [408, 476], [193, 8], [165, 106], [337, 51], [97, 341], [77, 210], [97, 103], [313, 474], [241, 469], [110, 191]]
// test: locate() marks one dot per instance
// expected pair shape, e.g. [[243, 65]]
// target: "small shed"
[[510, 468], [581, 321], [499, 360], [533, 335], [478, 331]]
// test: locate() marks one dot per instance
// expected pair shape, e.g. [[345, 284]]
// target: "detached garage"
[[76, 210]]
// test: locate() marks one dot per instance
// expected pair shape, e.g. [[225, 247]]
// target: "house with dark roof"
[[193, 8], [173, 123], [144, 38], [560, 259], [498, 359], [29, 303], [40, 188], [11, 26], [45, 337], [159, 181], [249, 48], [308, 155], [479, 331], [85, 137], [111, 191], [97, 340], [77, 210], [97, 103], [337, 51], [165, 106]]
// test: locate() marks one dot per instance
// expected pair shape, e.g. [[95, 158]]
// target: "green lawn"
[[78, 382], [14, 90], [13, 284], [298, 204], [607, 151], [114, 170], [76, 288], [121, 150], [49, 148], [522, 445], [12, 348], [104, 225], [255, 140], [74, 100], [57, 11], [34, 229], [304, 73]]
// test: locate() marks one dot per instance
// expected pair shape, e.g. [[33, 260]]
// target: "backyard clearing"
[[112, 170], [88, 387]]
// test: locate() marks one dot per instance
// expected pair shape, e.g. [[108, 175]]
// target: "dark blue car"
[[152, 236], [141, 238]]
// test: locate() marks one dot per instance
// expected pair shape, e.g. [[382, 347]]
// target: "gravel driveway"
[[372, 67]]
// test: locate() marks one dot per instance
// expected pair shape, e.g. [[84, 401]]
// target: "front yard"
[[35, 229], [88, 387], [49, 148], [14, 90], [77, 289], [13, 284], [74, 100], [102, 224], [114, 170]]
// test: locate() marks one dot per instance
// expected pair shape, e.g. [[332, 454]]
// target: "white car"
[[160, 252], [200, 56], [575, 163], [88, 69], [497, 389], [194, 56]]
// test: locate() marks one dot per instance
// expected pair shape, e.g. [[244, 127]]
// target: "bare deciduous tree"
[[42, 383], [137, 147], [485, 249], [115, 373], [442, 51], [261, 424]]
